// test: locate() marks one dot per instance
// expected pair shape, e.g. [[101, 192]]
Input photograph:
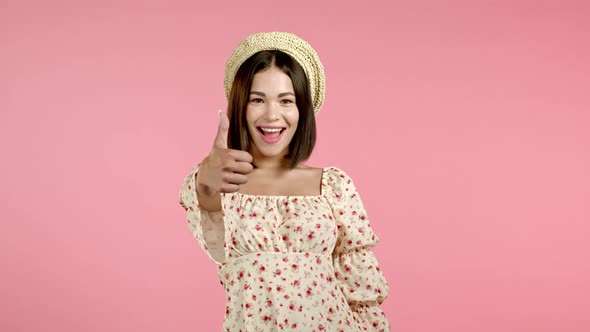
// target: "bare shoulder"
[[306, 180], [308, 172]]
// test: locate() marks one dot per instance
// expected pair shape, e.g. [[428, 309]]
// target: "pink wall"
[[465, 124]]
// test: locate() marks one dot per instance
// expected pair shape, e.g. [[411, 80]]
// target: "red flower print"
[[334, 223]]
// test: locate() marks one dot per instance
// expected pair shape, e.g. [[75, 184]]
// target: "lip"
[[271, 140]]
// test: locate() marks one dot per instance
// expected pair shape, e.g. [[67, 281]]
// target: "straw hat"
[[289, 43]]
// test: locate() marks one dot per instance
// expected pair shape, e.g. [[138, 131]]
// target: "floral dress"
[[293, 263]]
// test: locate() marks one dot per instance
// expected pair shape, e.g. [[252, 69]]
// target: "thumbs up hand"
[[223, 170]]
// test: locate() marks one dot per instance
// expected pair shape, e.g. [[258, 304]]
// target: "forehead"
[[272, 79]]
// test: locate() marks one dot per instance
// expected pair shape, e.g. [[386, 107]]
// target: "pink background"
[[465, 125]]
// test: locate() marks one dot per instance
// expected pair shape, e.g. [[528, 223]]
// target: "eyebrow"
[[282, 94]]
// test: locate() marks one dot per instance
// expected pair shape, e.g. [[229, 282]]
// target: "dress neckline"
[[323, 184]]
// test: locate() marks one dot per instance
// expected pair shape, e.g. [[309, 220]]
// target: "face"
[[271, 114]]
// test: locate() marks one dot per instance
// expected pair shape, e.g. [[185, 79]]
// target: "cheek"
[[293, 118], [250, 116]]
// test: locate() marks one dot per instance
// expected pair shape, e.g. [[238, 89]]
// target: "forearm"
[[208, 200]]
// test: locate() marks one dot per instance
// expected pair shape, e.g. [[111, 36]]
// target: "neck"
[[271, 164]]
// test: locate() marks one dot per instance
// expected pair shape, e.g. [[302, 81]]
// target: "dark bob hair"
[[303, 141]]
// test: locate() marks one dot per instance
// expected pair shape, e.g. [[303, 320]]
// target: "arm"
[[208, 228], [357, 270]]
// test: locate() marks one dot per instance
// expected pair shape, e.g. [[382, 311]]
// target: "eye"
[[287, 101], [256, 100]]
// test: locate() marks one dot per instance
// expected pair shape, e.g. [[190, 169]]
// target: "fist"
[[223, 170]]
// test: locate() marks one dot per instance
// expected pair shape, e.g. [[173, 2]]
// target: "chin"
[[273, 153]]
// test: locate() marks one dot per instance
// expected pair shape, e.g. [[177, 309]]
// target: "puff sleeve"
[[206, 227], [356, 268]]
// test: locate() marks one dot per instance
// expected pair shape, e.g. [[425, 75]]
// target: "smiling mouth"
[[271, 135], [270, 131]]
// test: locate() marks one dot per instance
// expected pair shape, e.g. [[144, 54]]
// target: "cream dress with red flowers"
[[293, 263]]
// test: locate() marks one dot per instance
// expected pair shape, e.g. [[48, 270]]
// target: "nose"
[[272, 111]]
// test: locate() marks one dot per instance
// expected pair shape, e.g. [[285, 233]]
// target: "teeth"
[[271, 130]]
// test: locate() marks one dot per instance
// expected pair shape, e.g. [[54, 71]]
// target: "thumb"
[[222, 131]]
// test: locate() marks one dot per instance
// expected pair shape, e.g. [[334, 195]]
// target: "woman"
[[292, 243]]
